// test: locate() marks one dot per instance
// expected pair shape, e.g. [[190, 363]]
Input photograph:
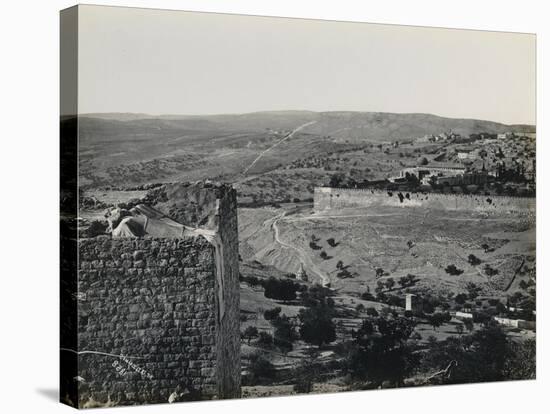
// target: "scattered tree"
[[381, 352], [250, 333], [489, 271], [265, 339], [317, 327], [260, 369], [390, 283], [453, 270], [271, 314], [280, 289], [468, 324], [473, 260]]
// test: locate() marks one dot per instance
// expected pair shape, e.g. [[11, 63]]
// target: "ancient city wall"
[[158, 318], [335, 198]]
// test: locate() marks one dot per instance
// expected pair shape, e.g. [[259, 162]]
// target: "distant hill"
[[357, 126], [124, 149]]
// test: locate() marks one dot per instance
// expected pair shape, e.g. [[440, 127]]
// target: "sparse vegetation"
[[280, 289], [317, 327], [453, 270]]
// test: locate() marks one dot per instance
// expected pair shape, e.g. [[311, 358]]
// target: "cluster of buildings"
[[441, 174], [506, 160], [413, 305]]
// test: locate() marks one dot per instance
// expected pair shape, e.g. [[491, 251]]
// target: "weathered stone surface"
[[151, 307]]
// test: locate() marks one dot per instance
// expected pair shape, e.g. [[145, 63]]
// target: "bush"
[[368, 296], [317, 327], [453, 270], [489, 271], [473, 260], [314, 246], [97, 228], [252, 281], [249, 333], [260, 369], [380, 351], [271, 314], [280, 289], [284, 333], [317, 295], [265, 340]]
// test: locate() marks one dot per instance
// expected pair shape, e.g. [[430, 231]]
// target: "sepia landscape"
[[394, 286], [258, 206]]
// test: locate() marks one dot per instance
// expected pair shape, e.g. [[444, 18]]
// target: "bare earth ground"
[[371, 239]]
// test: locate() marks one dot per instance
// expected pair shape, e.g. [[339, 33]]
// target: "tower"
[[302, 275]]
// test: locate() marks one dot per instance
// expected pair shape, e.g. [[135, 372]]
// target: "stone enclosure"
[[326, 198]]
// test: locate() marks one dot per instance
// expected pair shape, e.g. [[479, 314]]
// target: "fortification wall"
[[159, 317], [326, 198]]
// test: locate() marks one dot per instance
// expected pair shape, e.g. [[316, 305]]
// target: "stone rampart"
[[326, 198]]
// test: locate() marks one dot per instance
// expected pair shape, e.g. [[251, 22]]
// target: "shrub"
[[97, 228], [489, 271], [265, 339], [284, 333], [280, 289], [473, 260], [271, 314], [317, 295], [317, 327], [453, 270], [380, 351], [260, 369], [249, 333]]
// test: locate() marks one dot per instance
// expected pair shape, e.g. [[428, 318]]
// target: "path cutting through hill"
[[286, 137], [306, 260]]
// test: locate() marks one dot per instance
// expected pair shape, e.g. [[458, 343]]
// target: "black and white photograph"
[[247, 225], [252, 206]]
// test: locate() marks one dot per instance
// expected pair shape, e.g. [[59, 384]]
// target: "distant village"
[[493, 164]]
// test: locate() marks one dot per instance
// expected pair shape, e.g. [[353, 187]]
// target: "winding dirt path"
[[306, 260]]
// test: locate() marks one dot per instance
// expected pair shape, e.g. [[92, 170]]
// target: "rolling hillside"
[[133, 149]]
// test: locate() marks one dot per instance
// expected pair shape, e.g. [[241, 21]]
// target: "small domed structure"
[[302, 275]]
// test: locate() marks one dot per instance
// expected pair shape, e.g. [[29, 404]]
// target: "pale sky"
[[173, 62]]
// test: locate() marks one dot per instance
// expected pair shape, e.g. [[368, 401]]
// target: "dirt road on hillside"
[[305, 259], [286, 137]]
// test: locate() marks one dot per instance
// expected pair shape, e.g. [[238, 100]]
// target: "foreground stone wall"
[[158, 318], [326, 198], [213, 207], [150, 303]]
